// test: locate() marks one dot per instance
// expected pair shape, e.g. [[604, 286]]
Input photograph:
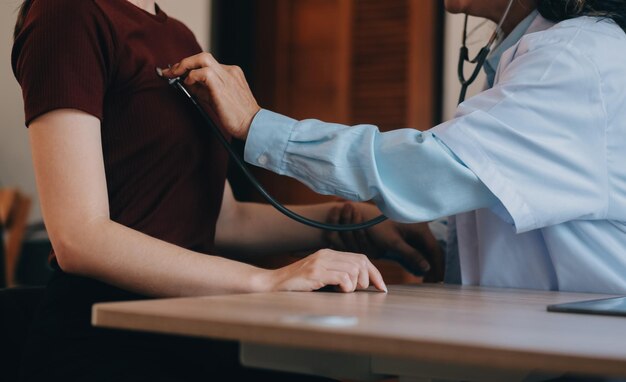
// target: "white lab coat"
[[549, 140], [540, 159]]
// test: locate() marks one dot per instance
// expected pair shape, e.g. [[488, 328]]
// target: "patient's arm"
[[250, 230], [69, 168], [257, 229]]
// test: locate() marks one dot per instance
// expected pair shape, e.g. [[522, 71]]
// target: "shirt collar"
[[524, 27]]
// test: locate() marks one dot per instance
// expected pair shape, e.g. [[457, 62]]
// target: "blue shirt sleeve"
[[411, 175], [540, 138]]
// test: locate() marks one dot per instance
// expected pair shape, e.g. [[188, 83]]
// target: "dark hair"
[[559, 10], [21, 17]]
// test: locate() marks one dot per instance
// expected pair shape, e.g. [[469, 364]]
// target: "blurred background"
[[391, 63]]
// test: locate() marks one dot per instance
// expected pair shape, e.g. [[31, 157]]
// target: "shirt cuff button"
[[263, 159]]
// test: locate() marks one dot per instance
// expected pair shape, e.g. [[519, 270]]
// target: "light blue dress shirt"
[[548, 141], [410, 175]]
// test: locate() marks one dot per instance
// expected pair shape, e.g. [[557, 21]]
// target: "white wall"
[[195, 14], [452, 41], [15, 162]]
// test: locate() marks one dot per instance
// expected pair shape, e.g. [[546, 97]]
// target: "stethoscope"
[[177, 83], [481, 57], [479, 60]]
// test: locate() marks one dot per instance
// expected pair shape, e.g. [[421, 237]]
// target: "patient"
[[135, 199]]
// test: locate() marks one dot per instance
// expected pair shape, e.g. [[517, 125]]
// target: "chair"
[[17, 309], [17, 305], [14, 210], [3, 282]]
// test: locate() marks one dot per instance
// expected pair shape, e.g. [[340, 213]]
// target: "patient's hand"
[[347, 271], [413, 242], [221, 89]]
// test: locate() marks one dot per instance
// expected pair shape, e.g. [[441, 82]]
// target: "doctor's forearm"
[[410, 175]]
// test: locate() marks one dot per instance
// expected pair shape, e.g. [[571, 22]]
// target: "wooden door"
[[346, 61]]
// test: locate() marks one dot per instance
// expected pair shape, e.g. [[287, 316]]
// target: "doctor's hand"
[[415, 244], [221, 89]]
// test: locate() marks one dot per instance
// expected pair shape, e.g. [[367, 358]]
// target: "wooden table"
[[416, 332]]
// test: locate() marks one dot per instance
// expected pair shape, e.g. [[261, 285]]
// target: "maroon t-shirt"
[[165, 172]]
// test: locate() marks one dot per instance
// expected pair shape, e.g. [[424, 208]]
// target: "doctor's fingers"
[[207, 77], [354, 241], [420, 236], [351, 214], [230, 83], [349, 237], [200, 60], [332, 237], [413, 258], [237, 73]]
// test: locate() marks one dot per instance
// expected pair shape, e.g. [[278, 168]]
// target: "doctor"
[[533, 168]]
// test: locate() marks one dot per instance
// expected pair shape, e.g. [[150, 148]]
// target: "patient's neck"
[[146, 5]]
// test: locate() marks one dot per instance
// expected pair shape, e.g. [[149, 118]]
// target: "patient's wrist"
[[262, 280]]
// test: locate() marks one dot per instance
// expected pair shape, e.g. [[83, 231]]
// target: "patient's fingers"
[[376, 278]]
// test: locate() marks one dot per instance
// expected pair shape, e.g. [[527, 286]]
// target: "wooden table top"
[[496, 328]]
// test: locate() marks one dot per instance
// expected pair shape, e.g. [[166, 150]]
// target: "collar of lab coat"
[[534, 22]]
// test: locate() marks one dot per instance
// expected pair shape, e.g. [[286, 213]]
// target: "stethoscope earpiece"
[[480, 58]]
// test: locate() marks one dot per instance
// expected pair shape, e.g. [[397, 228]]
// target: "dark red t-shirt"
[[165, 172]]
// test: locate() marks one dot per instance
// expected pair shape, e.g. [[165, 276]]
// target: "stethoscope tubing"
[[257, 185], [481, 57]]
